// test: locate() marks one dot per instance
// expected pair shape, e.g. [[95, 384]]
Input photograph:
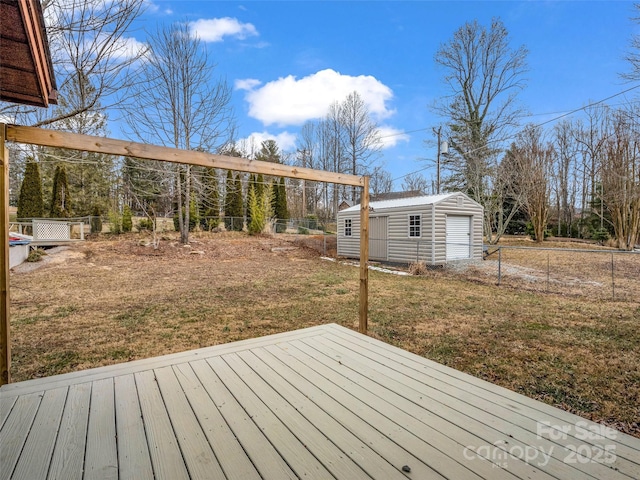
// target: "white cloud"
[[215, 29], [292, 101], [390, 136], [247, 84], [286, 141], [128, 47]]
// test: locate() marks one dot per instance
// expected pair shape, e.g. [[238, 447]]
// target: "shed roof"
[[406, 202], [26, 71]]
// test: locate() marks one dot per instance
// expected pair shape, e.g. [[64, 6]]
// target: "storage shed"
[[433, 229]]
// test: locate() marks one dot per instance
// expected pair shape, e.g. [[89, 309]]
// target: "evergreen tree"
[[269, 152], [30, 203], [228, 200], [210, 206], [96, 220], [255, 223], [279, 205], [127, 223], [61, 197], [251, 188], [237, 205]]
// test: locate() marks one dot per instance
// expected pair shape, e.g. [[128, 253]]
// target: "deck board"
[[68, 456], [317, 403], [134, 461]]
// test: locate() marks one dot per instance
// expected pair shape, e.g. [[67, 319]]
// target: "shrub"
[[418, 268], [96, 220], [114, 221], [127, 223], [303, 230], [36, 255], [146, 224], [601, 235]]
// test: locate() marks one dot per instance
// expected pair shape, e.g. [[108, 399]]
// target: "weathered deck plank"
[[163, 447], [101, 460], [323, 402], [15, 430], [36, 454], [68, 457], [520, 421], [133, 452], [297, 455], [196, 451], [233, 459], [262, 454]]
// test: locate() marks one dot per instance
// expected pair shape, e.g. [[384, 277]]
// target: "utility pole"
[[438, 133]]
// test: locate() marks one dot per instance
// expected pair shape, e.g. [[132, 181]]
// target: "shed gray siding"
[[430, 247]]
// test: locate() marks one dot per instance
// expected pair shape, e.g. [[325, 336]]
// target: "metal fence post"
[[548, 267], [499, 265], [613, 279]]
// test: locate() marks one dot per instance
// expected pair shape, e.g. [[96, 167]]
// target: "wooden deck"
[[318, 403]]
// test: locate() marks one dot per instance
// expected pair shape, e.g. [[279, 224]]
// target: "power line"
[[571, 112]]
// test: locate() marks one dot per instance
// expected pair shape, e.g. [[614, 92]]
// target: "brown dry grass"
[[116, 300]]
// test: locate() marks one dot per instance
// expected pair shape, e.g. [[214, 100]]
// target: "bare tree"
[[92, 58], [415, 182], [484, 75], [565, 188], [178, 103], [361, 137], [621, 179], [381, 181], [535, 159], [633, 55]]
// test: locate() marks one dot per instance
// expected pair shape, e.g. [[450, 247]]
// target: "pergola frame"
[[53, 138]]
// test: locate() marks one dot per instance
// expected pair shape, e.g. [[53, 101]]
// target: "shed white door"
[[378, 238], [458, 237]]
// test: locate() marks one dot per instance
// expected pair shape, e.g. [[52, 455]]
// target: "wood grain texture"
[[134, 460], [68, 456], [102, 457]]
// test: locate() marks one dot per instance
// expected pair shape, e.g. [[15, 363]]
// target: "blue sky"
[[287, 61]]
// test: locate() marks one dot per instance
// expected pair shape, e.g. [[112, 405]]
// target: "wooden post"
[[5, 343], [364, 256]]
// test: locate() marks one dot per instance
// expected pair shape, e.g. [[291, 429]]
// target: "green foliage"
[[235, 208], [61, 196], [269, 152], [36, 255], [194, 217], [279, 205], [127, 223], [96, 220], [601, 235], [30, 203], [251, 191], [260, 202], [210, 205], [228, 200], [115, 225], [312, 222], [146, 224], [256, 222], [303, 231]]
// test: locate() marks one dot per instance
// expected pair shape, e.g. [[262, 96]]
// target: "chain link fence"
[[606, 274]]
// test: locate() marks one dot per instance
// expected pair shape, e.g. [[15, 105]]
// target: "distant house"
[[344, 205], [434, 229], [396, 195]]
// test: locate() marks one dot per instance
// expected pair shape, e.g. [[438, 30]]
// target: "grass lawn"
[[115, 300]]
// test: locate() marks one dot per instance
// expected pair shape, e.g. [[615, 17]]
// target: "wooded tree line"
[[579, 178]]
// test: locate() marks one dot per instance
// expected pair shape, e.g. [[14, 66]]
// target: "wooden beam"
[[74, 141], [364, 256], [5, 342]]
